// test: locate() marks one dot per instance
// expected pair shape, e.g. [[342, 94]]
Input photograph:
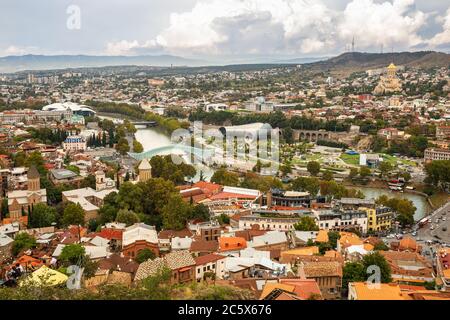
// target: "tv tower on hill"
[[353, 44]]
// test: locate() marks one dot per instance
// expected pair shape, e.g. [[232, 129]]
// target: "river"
[[420, 202], [152, 138]]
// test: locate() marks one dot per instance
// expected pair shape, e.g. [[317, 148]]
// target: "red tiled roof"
[[208, 187], [203, 245], [168, 234], [232, 243], [110, 233], [231, 195], [208, 258]]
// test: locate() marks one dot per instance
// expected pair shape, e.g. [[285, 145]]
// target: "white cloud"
[[17, 51], [124, 47], [443, 37], [374, 24], [288, 27]]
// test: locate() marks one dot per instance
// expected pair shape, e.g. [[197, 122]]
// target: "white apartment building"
[[74, 143]]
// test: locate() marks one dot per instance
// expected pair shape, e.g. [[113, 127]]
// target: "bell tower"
[[100, 183], [34, 179], [145, 171]]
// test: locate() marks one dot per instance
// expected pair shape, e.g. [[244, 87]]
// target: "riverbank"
[[374, 189]]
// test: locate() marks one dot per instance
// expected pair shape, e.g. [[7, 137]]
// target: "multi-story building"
[[276, 197], [436, 154], [74, 143], [33, 116], [380, 219], [340, 220], [210, 265], [443, 132], [277, 223], [443, 268]]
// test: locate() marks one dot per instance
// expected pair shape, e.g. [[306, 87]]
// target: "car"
[[414, 234], [432, 227], [444, 219]]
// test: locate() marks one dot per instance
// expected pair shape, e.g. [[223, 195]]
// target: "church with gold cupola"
[[389, 83]]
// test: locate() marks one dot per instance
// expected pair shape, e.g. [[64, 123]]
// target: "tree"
[[144, 255], [306, 224], [380, 246], [352, 272], [376, 259], [73, 254], [201, 212], [107, 213], [42, 216], [313, 168], [22, 241], [286, 169], [364, 172], [175, 213], [73, 215], [163, 167], [333, 237], [137, 146], [405, 208], [308, 184], [405, 175], [5, 209], [438, 173], [262, 183], [74, 169], [122, 146], [128, 217], [327, 175], [223, 219], [353, 173], [88, 182], [225, 177], [385, 167]]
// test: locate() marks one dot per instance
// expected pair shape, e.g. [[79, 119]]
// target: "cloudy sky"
[[221, 28]]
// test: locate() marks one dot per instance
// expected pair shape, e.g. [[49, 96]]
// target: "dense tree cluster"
[[405, 208], [155, 202], [275, 119], [438, 173], [164, 167], [361, 271]]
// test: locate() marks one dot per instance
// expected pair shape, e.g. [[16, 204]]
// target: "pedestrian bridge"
[[178, 149]]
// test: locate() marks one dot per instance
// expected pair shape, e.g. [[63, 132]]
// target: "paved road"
[[441, 229]]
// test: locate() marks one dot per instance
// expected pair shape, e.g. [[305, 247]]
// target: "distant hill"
[[358, 61], [42, 62]]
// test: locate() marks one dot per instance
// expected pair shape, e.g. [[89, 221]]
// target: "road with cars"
[[438, 227]]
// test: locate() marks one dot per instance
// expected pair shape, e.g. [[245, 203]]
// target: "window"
[[199, 270]]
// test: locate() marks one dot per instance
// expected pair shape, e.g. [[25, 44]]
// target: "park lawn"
[[393, 160], [439, 199], [352, 159]]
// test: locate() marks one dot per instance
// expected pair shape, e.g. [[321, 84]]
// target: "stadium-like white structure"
[[76, 108]]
